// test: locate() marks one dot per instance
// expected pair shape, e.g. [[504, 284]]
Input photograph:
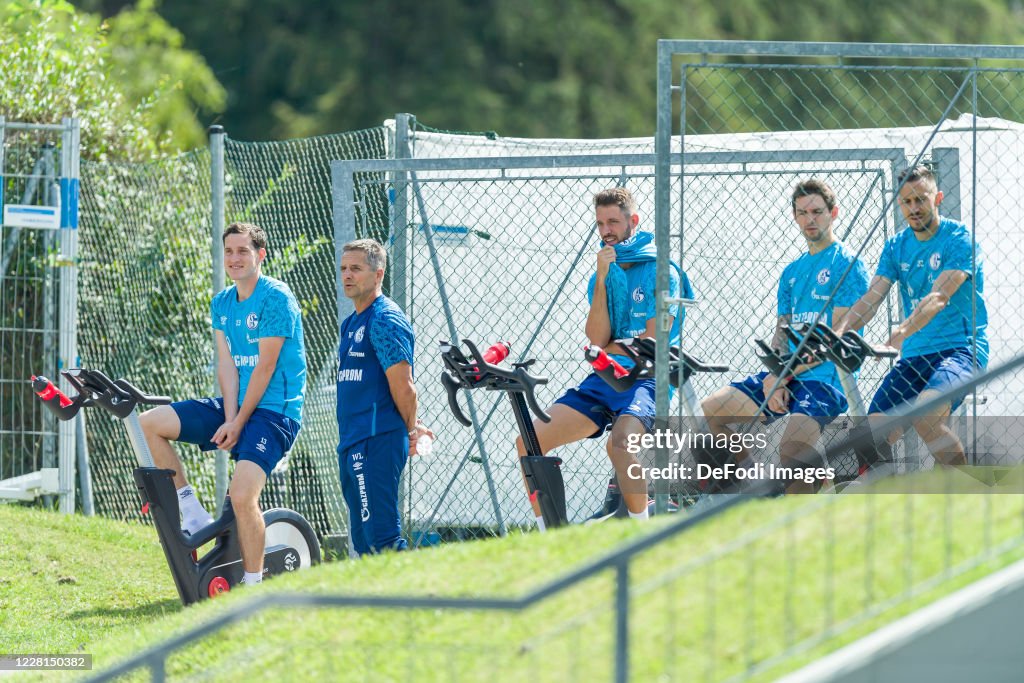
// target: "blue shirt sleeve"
[[854, 286], [392, 339], [784, 295], [215, 315], [280, 315], [590, 288], [887, 264]]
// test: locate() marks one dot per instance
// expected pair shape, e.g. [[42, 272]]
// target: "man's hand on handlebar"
[[895, 341]]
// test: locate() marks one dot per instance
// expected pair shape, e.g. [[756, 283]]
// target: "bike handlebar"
[[643, 350], [475, 372], [119, 397], [848, 351]]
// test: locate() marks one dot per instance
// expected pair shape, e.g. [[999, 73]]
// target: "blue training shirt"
[[270, 311], [642, 303], [808, 282], [915, 265], [371, 342]]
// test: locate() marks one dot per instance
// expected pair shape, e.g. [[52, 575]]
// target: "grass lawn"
[[780, 579]]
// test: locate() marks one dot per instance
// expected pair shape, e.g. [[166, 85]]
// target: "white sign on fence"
[[25, 216]]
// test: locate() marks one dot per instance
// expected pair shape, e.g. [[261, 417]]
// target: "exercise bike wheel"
[[286, 527], [218, 585]]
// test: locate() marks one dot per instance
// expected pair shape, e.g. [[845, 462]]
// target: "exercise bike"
[[291, 543], [682, 367], [543, 474], [820, 344]]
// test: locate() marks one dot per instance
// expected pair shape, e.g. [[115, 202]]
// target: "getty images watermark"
[[684, 442]]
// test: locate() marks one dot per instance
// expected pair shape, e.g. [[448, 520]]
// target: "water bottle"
[[602, 360], [424, 445], [495, 354]]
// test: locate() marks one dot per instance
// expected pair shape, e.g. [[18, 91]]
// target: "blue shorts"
[[264, 440], [370, 472], [819, 400], [938, 371], [601, 404]]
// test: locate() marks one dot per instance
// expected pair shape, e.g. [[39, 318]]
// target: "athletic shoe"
[[612, 504]]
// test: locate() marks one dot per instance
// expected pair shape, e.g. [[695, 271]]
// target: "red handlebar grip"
[[46, 390]]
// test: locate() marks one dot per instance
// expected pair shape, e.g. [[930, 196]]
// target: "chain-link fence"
[[515, 251], [37, 252], [789, 98], [146, 289]]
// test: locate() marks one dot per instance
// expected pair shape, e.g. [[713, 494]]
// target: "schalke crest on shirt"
[[252, 320], [359, 333], [823, 276]]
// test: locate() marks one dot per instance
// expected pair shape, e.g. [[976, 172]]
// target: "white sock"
[[193, 515], [540, 524], [252, 577], [639, 515]]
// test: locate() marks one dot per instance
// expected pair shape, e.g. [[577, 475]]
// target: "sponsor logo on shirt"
[[246, 361], [350, 375], [808, 317], [252, 320], [357, 354]]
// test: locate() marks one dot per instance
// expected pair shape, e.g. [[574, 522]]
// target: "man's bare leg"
[[160, 426], [798, 449], [246, 485], [634, 489], [934, 430]]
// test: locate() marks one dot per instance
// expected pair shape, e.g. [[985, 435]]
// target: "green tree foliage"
[[129, 80], [558, 68]]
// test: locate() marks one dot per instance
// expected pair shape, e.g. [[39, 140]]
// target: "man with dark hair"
[[377, 401], [261, 367], [943, 339], [812, 395], [622, 297]]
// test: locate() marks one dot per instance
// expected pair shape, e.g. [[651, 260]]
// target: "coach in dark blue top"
[[377, 422], [943, 339]]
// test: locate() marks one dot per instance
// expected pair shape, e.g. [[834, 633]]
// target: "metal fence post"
[[217, 257], [662, 214], [68, 326], [400, 217], [622, 620]]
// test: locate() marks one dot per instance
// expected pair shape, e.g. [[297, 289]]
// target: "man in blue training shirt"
[[622, 305], [261, 367], [813, 395], [943, 339], [376, 401]]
